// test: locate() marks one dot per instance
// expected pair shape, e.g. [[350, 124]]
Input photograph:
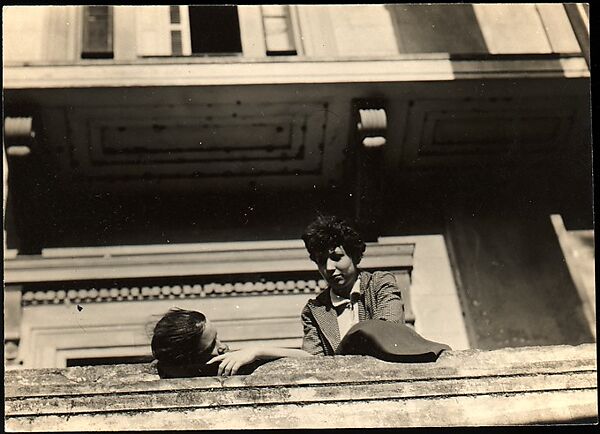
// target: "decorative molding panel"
[[451, 132], [171, 292], [197, 141]]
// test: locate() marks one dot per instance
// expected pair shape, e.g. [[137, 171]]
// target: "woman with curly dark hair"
[[352, 295]]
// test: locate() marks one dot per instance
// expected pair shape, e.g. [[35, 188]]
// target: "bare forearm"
[[230, 362], [270, 353]]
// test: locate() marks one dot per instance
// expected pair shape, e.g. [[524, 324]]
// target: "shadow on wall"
[[83, 219], [450, 28]]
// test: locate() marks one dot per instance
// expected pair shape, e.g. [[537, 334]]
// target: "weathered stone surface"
[[513, 385]]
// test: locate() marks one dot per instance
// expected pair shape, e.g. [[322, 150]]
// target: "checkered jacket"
[[379, 298]]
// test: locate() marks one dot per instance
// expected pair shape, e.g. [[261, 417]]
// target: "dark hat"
[[389, 341]]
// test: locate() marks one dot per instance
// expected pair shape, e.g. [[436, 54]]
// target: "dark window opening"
[[97, 33], [95, 361], [215, 30]]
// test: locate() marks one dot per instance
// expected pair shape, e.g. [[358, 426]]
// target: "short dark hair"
[[177, 336], [326, 233]]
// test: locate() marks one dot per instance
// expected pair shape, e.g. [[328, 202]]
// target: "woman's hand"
[[234, 360]]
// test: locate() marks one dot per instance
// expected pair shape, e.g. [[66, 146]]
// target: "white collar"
[[337, 300]]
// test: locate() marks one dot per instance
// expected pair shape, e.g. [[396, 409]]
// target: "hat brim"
[[393, 342]]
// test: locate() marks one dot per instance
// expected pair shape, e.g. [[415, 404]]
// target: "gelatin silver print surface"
[[297, 216]]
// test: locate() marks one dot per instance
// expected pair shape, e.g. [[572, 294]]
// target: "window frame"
[[85, 52], [252, 34]]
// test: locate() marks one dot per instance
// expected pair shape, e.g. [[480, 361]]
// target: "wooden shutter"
[[279, 32], [97, 32]]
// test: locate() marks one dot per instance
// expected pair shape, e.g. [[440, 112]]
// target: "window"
[[254, 31], [203, 30], [97, 33], [215, 29]]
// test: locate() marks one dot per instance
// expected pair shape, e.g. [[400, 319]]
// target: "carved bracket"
[[372, 127], [27, 181], [18, 135], [12, 324], [371, 131]]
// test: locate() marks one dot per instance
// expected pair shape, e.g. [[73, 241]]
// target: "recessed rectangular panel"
[[176, 139], [191, 141], [456, 132], [478, 134], [544, 133]]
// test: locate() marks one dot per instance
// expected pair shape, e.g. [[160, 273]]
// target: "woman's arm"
[[311, 342], [234, 360], [389, 303]]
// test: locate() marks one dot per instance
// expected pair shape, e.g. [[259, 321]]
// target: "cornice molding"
[[183, 260], [296, 72]]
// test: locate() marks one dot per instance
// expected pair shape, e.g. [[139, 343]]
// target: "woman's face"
[[338, 270], [210, 341]]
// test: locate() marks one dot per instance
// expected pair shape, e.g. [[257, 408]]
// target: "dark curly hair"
[[326, 233], [176, 338]]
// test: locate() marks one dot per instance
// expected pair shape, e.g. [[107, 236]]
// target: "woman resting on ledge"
[[359, 313], [185, 344]]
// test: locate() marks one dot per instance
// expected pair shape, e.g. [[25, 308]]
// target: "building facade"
[[171, 156]]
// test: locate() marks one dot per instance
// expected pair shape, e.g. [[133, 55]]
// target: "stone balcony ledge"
[[554, 384]]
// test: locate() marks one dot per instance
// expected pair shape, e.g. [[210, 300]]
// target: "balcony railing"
[[529, 385]]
